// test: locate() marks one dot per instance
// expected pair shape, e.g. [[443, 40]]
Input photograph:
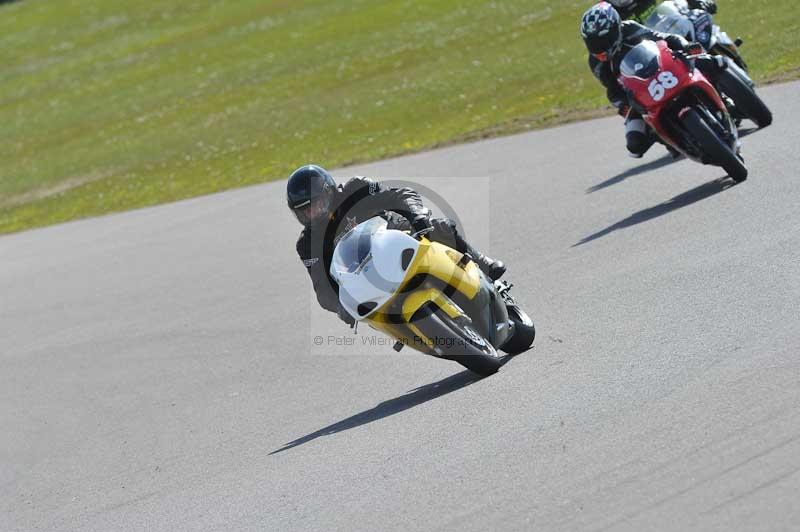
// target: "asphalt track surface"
[[158, 371]]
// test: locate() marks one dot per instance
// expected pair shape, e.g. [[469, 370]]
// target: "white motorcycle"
[[428, 296]]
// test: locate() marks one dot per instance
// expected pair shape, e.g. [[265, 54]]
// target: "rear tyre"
[[524, 331], [460, 342], [714, 148], [745, 98]]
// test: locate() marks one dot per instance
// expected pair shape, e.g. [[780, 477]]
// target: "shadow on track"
[[661, 162], [694, 195], [641, 169], [388, 408]]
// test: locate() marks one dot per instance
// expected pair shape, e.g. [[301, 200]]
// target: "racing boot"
[[494, 269], [446, 232]]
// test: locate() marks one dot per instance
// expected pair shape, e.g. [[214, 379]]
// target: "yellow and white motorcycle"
[[428, 296]]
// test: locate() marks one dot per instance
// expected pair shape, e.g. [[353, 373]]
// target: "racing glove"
[[695, 48], [421, 222]]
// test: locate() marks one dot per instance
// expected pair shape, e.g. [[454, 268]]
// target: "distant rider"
[[608, 40], [327, 211], [639, 9]]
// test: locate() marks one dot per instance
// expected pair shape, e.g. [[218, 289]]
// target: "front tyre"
[[745, 98], [524, 331], [714, 147], [460, 342]]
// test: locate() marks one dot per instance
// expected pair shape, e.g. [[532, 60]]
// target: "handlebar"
[[421, 232]]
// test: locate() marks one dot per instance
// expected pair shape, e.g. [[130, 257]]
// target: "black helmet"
[[623, 4], [629, 8], [309, 193], [601, 29]]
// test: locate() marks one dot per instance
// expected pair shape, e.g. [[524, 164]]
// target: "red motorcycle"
[[682, 106]]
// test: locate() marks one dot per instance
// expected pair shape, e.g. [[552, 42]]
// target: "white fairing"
[[670, 17], [720, 36], [368, 265]]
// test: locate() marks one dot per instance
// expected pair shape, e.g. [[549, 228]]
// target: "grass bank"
[[107, 105]]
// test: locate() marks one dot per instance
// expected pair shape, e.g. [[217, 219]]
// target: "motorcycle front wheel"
[[714, 148], [524, 331], [458, 341]]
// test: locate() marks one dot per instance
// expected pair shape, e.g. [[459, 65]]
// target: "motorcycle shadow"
[[631, 172], [685, 199], [661, 162], [412, 398]]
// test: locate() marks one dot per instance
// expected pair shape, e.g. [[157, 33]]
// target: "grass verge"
[[107, 105]]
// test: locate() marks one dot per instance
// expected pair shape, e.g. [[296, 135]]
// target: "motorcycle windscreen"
[[667, 18], [642, 61], [370, 264], [353, 250]]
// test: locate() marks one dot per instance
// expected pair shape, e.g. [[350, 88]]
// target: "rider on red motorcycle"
[[608, 40]]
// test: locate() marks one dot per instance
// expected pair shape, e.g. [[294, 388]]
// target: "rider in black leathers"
[[609, 40], [327, 211]]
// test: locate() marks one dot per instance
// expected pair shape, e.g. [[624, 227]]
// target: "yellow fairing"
[[440, 261], [435, 260]]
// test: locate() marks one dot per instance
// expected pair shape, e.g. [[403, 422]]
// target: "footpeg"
[[503, 288]]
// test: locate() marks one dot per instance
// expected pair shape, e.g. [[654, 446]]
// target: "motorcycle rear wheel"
[[714, 147]]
